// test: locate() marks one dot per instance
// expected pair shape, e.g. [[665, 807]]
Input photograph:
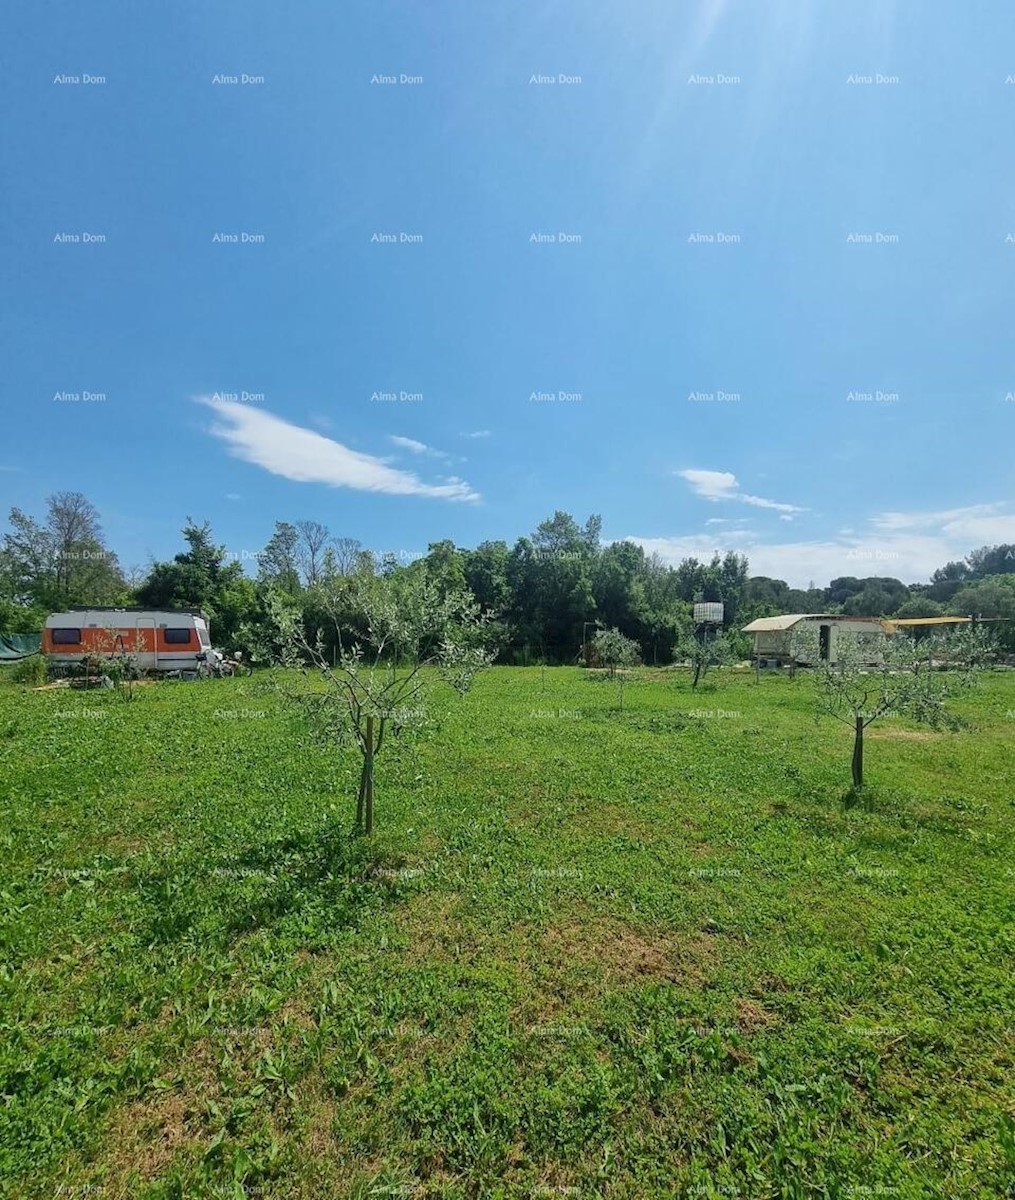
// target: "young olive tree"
[[703, 653], [613, 650], [117, 660], [895, 676], [409, 637]]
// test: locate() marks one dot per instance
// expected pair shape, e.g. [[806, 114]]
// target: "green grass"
[[590, 953]]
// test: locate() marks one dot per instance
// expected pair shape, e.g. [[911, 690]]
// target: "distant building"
[[776, 640]]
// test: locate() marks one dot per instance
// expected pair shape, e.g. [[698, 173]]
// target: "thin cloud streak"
[[722, 485], [258, 437], [417, 447]]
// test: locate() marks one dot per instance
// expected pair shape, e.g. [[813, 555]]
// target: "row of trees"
[[548, 593]]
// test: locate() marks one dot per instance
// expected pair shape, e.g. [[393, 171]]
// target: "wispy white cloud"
[[722, 485], [417, 447], [950, 519], [712, 485], [409, 444], [760, 502], [479, 433], [257, 436]]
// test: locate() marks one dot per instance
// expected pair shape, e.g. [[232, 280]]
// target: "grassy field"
[[589, 953]]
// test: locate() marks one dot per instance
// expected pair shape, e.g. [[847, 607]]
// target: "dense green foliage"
[[642, 954], [612, 650], [202, 577]]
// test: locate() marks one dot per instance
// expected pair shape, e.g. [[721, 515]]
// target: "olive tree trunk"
[[368, 774], [858, 754]]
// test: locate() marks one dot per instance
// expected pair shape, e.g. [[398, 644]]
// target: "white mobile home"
[[170, 639], [777, 641]]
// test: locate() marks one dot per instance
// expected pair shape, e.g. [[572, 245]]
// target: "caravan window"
[[177, 637], [66, 637]]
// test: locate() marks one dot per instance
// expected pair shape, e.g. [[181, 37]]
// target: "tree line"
[[546, 595]]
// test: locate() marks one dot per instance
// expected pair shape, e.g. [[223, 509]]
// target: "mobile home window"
[[177, 637], [66, 637]]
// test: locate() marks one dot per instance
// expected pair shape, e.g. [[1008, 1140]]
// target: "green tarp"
[[19, 645]]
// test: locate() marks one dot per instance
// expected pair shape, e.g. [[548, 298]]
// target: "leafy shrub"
[[32, 671]]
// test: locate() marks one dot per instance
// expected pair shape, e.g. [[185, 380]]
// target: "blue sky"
[[827, 404]]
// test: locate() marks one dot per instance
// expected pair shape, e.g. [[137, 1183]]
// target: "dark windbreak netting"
[[19, 645]]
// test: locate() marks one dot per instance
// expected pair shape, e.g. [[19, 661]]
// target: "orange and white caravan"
[[158, 639]]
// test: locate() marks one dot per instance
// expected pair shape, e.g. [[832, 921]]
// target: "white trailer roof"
[[126, 616], [788, 620]]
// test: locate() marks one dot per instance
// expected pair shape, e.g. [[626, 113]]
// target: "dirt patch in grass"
[[430, 926], [318, 1114], [752, 1017], [771, 983], [146, 1135], [584, 943], [621, 955], [613, 819], [127, 846]]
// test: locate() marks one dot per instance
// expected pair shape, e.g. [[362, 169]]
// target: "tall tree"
[[732, 581], [203, 577], [947, 580], [279, 561], [486, 574], [29, 555], [65, 561], [618, 585], [312, 541], [551, 577], [994, 598], [348, 554], [445, 566], [992, 560]]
